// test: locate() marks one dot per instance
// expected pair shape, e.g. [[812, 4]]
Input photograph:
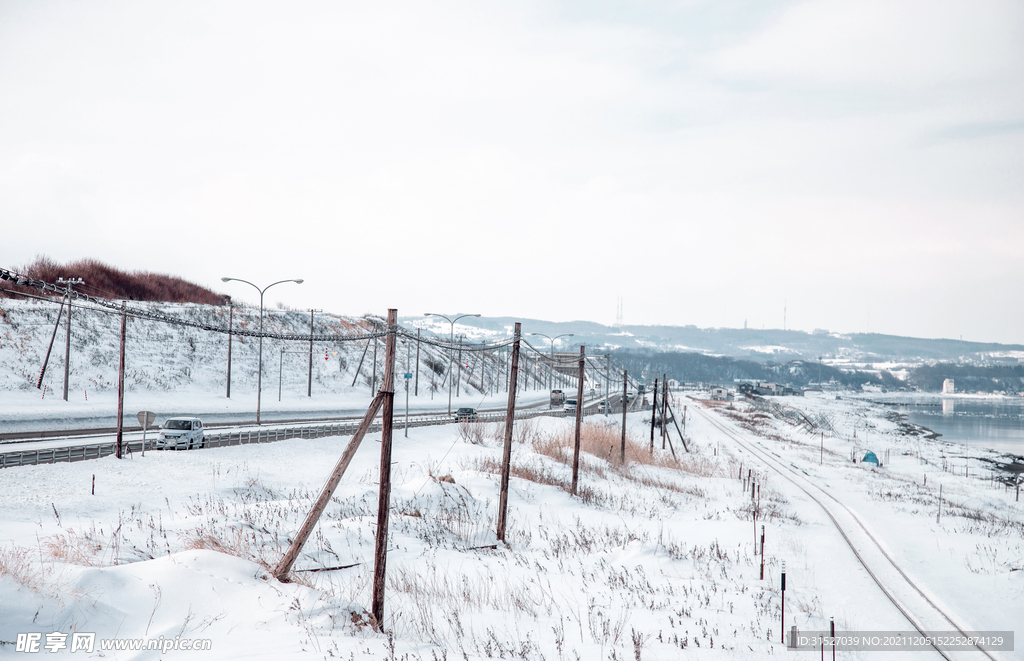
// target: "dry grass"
[[108, 282], [603, 442], [16, 562], [72, 548]]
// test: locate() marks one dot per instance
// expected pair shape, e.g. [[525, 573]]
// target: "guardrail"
[[247, 436]]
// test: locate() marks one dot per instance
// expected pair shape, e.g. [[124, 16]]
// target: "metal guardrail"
[[247, 436]]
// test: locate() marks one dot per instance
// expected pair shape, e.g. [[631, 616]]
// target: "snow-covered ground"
[[654, 560]]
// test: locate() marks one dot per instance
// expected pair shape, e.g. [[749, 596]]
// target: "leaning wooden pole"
[[285, 566], [506, 459], [120, 386], [387, 389], [654, 413], [42, 372], [681, 437], [579, 420]]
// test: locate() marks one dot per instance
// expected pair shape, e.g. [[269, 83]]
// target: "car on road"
[[466, 413], [557, 398], [180, 434], [604, 407], [570, 406]]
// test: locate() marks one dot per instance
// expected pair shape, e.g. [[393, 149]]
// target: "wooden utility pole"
[[654, 413], [231, 322], [579, 419], [483, 356], [416, 390], [506, 459], [309, 388], [70, 283], [120, 385], [387, 389], [625, 405]]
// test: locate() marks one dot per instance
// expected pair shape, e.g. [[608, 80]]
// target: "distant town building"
[[947, 387], [721, 394]]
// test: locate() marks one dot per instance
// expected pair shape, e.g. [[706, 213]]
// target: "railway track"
[[905, 594]]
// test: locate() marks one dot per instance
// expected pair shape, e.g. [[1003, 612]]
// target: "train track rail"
[[905, 594]]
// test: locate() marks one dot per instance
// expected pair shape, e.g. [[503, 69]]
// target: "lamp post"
[[552, 340], [259, 372], [451, 340]]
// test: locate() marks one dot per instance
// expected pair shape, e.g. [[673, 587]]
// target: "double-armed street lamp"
[[259, 373], [451, 341], [552, 340]]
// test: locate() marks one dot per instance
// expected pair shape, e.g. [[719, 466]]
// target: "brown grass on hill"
[[105, 281]]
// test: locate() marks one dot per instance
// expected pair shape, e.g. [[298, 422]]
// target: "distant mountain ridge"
[[763, 345]]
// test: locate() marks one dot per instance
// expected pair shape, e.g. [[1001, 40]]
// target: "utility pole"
[[120, 385], [579, 419], [231, 321], [309, 388], [625, 405], [607, 383], [506, 459], [387, 389], [408, 357], [70, 283], [417, 388]]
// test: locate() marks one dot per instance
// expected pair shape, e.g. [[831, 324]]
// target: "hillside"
[[103, 281]]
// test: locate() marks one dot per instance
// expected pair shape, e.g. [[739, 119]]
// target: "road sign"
[[146, 418], [408, 375]]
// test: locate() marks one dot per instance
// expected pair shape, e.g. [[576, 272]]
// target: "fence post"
[[579, 419], [120, 383], [506, 459], [387, 390], [625, 405]]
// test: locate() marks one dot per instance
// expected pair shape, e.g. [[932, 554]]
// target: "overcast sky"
[[860, 164]]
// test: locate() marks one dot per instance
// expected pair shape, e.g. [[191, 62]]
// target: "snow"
[[649, 557]]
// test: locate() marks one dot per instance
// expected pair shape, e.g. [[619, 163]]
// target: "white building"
[[947, 387]]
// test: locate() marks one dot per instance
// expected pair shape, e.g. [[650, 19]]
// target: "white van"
[[180, 433]]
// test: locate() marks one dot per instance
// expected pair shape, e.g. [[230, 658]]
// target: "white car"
[[180, 433], [570, 406]]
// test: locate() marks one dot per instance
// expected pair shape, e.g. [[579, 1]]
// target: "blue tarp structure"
[[870, 458]]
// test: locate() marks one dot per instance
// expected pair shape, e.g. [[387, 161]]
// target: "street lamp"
[[451, 341], [552, 340], [259, 373]]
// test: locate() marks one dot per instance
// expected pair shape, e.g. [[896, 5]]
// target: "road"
[[93, 445]]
